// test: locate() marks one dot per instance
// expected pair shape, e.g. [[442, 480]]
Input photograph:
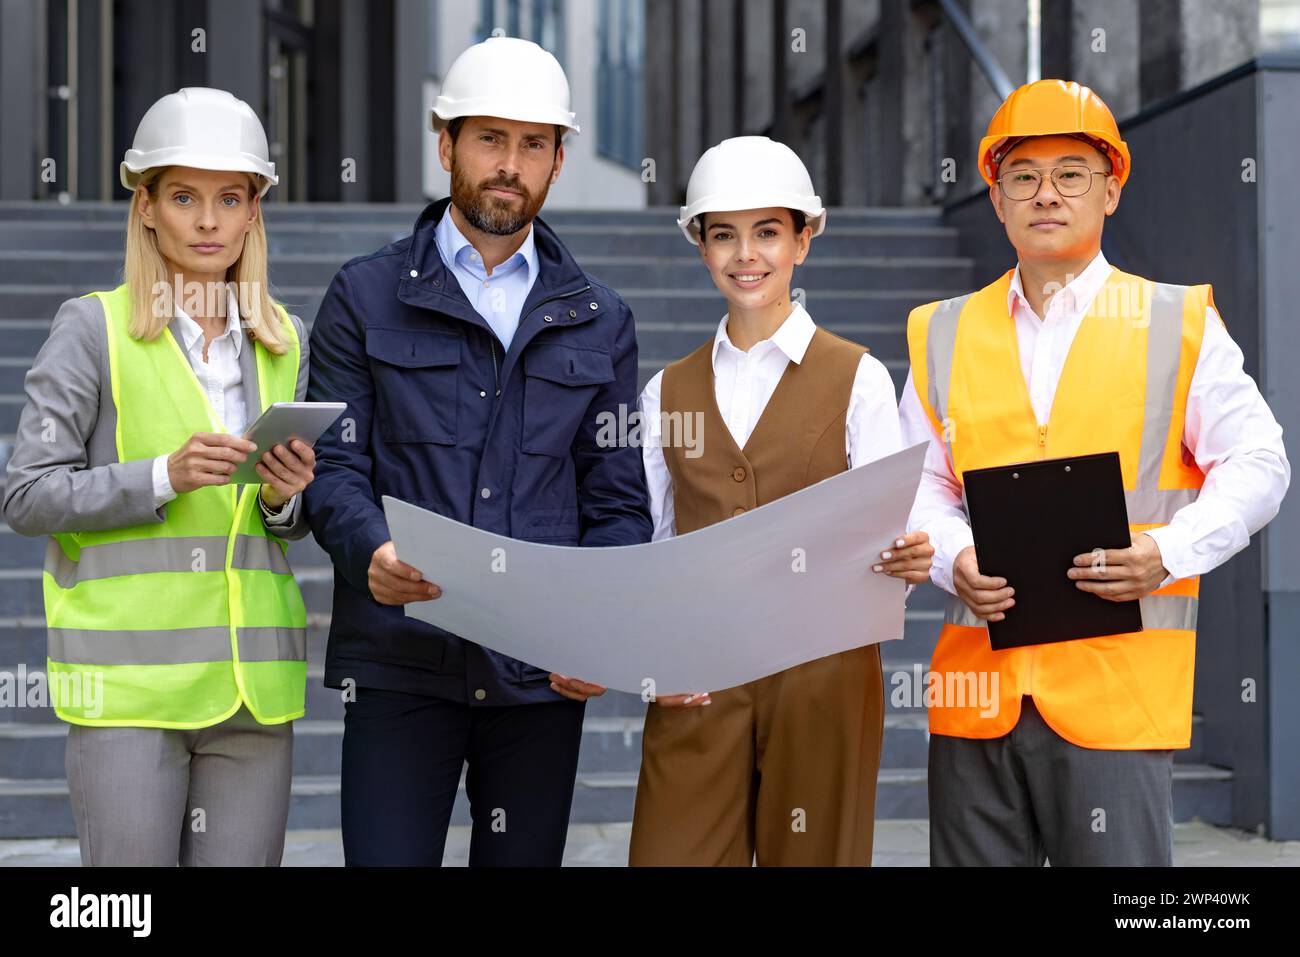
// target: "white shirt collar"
[[455, 245], [1082, 289], [791, 337], [192, 332]]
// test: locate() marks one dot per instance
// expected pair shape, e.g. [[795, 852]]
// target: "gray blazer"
[[64, 475]]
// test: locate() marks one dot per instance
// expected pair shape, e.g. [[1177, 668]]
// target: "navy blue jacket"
[[440, 415]]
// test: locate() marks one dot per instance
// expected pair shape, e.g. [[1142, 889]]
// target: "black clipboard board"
[[1029, 521]]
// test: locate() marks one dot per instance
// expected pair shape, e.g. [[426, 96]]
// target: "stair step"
[[611, 741], [22, 601], [21, 269], [14, 214], [656, 348], [39, 808], [827, 306], [323, 703], [344, 241]]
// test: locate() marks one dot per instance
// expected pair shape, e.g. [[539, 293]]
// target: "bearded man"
[[476, 359]]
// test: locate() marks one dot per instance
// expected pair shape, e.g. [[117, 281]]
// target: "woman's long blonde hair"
[[152, 290]]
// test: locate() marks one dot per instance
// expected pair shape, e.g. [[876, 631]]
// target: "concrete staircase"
[[865, 273]]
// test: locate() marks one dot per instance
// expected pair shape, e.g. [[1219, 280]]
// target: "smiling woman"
[[167, 587], [782, 405]]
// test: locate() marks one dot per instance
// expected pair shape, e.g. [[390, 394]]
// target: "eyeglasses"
[[1021, 184]]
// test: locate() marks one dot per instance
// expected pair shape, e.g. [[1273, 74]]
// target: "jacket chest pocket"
[[559, 384], [417, 384]]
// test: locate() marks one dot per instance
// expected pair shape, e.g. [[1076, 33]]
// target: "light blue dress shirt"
[[498, 298]]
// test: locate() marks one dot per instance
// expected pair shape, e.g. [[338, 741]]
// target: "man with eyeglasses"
[[1064, 356]]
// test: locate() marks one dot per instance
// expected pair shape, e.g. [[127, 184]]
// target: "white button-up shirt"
[[498, 298], [221, 380], [1229, 429], [744, 382]]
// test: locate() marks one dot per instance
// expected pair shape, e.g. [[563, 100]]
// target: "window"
[[548, 26], [620, 81], [486, 20], [541, 21]]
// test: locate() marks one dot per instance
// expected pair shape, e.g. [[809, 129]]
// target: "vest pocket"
[[559, 384], [417, 384]]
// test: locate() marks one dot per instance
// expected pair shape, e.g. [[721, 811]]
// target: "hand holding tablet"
[[280, 424]]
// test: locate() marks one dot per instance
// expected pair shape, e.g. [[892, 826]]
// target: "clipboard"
[[1029, 521]]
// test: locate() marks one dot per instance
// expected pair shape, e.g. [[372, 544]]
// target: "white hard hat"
[[200, 127], [506, 77], [749, 172]]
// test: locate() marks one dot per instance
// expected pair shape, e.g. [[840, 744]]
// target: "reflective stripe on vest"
[[1124, 691], [143, 555], [1158, 611], [178, 623], [174, 647]]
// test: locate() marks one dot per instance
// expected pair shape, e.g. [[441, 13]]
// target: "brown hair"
[[797, 216], [454, 127]]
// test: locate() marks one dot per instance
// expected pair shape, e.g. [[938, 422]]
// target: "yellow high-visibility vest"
[[1123, 388], [175, 625]]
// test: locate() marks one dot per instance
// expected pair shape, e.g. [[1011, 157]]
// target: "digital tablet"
[[279, 425]]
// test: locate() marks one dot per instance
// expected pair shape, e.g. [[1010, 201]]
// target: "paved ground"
[[898, 844]]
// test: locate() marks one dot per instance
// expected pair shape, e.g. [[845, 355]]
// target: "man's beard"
[[491, 214]]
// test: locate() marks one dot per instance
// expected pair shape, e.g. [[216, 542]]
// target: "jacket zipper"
[[492, 339], [561, 295]]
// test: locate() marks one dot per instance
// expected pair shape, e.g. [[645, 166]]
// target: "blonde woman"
[[176, 630]]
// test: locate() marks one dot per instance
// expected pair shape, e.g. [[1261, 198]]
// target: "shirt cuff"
[[1173, 552], [949, 538], [284, 515], [162, 485]]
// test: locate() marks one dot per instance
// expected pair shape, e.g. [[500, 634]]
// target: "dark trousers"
[[1031, 796], [402, 761]]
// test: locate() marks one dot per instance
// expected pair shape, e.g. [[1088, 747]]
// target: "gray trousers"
[[155, 797], [1031, 796]]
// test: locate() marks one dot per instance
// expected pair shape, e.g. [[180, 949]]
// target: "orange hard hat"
[[1052, 108]]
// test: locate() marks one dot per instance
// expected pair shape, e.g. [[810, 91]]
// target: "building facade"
[[884, 100], [343, 87]]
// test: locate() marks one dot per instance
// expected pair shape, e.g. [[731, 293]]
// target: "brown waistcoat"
[[798, 441]]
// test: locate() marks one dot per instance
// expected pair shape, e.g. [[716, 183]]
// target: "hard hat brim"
[[444, 111], [138, 162], [1117, 151], [811, 207]]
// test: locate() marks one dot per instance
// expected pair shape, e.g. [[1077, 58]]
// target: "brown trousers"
[[782, 769]]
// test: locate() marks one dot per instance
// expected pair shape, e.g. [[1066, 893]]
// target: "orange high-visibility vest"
[[1123, 388]]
